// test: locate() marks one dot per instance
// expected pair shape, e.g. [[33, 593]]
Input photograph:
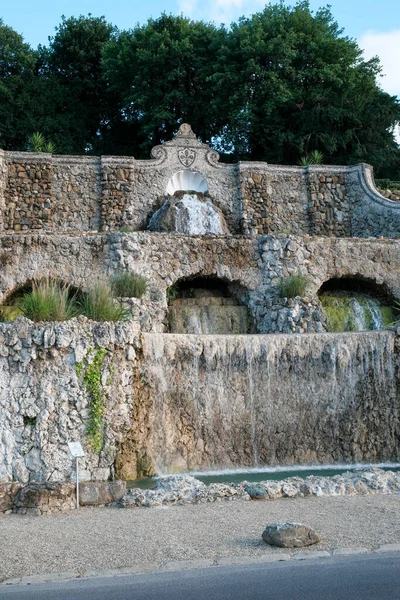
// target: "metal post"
[[77, 483]]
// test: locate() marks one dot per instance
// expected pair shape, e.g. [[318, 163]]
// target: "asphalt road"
[[360, 577]]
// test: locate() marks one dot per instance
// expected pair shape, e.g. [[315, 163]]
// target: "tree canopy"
[[275, 86]]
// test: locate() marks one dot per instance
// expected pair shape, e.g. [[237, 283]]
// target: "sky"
[[375, 24]]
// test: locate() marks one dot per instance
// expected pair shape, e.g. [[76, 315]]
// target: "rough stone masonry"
[[178, 402]]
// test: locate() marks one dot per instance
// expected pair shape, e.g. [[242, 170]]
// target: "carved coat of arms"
[[186, 156]]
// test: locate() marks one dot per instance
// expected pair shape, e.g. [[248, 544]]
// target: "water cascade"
[[191, 213], [352, 311], [220, 401]]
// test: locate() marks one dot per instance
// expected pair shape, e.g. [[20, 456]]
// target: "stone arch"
[[9, 305], [187, 181], [358, 283], [356, 303], [207, 304]]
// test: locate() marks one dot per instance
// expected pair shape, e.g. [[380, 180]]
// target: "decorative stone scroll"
[[186, 148]]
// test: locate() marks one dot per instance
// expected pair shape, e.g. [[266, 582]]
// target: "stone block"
[[36, 495], [8, 492], [96, 493]]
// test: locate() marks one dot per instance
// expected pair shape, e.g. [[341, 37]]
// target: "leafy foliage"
[[282, 83], [49, 300], [98, 304], [314, 158], [37, 143], [161, 72], [17, 72], [293, 285], [128, 285], [91, 374]]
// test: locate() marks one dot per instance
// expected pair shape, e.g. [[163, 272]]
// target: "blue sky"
[[374, 23]]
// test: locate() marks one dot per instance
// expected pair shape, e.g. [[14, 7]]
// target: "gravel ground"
[[105, 538]]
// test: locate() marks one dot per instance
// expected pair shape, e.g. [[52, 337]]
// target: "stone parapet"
[[43, 192]]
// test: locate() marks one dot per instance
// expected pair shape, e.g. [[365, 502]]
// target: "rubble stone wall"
[[252, 267], [180, 402], [58, 194]]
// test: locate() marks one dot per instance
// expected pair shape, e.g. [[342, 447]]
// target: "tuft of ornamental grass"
[[98, 304], [49, 300], [292, 286], [128, 285]]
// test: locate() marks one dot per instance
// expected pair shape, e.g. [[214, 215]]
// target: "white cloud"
[[386, 45], [219, 11]]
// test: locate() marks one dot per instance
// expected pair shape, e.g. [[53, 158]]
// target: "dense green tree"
[[17, 71], [162, 74], [78, 104], [276, 86], [291, 83]]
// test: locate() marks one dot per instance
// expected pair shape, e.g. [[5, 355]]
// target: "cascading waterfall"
[[351, 311], [191, 213], [241, 401]]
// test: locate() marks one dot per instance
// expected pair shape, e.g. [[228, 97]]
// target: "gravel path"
[[103, 538]]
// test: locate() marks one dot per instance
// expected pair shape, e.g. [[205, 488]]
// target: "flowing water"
[[257, 475], [188, 213], [352, 311], [229, 401]]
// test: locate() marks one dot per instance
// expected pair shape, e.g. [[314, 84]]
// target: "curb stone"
[[245, 560], [181, 565], [388, 548], [311, 554], [196, 564], [133, 570], [47, 577], [350, 550]]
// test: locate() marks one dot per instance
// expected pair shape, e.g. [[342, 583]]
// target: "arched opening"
[[11, 308], [187, 208], [207, 305], [356, 304], [187, 181]]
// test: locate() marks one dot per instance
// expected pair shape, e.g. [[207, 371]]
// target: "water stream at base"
[[266, 473]]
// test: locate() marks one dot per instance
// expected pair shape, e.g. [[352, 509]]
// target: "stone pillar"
[[3, 185]]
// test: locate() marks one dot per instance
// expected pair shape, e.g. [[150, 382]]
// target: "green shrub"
[[386, 184], [99, 304], [314, 158], [49, 300], [37, 143], [128, 285], [172, 292], [293, 285], [126, 229]]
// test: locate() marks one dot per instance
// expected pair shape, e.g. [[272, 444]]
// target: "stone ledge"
[[41, 498]]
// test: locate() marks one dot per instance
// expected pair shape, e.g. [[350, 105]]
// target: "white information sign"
[[76, 449]]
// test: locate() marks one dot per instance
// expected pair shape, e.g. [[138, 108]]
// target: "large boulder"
[[290, 535], [256, 492]]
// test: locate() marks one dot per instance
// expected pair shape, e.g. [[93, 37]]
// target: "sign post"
[[77, 452]]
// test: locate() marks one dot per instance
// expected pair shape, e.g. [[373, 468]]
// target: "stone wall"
[[331, 200], [76, 188], [44, 403], [77, 194], [372, 215], [179, 402], [3, 182], [29, 193], [274, 199], [253, 268]]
